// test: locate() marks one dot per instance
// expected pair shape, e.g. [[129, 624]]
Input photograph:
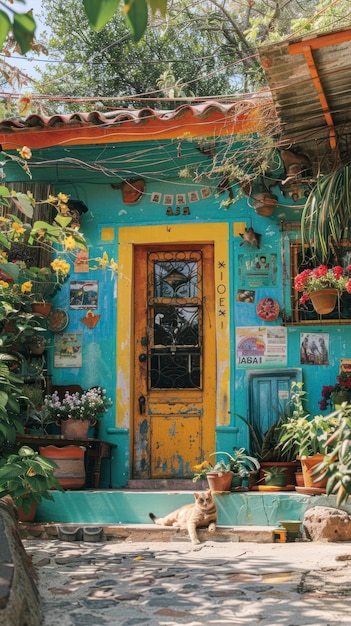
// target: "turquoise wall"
[[106, 208]]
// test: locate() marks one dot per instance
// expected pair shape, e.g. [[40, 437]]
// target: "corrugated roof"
[[310, 82], [194, 120]]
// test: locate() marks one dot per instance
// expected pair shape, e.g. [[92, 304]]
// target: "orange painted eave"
[[148, 129]]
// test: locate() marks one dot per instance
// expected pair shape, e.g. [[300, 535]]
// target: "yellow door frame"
[[128, 237]]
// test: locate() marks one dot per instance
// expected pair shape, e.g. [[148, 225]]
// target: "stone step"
[[142, 533]]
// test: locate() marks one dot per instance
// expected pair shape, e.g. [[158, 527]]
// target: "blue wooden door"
[[269, 392]]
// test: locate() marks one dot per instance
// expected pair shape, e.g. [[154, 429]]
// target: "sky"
[[27, 62]]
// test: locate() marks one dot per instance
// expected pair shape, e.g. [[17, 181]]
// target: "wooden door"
[[174, 394]]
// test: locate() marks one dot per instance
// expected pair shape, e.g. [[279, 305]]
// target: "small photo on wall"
[[314, 349], [68, 350], [83, 294], [245, 295]]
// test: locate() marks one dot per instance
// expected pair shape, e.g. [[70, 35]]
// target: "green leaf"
[[23, 204], [99, 12], [158, 5], [11, 269], [5, 26], [136, 17], [62, 220], [23, 30]]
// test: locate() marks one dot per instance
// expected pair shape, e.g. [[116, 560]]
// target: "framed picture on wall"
[[83, 294], [68, 350]]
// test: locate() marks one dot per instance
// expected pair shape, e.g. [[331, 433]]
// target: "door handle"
[[142, 402]]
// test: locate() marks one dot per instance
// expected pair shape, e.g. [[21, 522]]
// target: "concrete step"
[[142, 533]]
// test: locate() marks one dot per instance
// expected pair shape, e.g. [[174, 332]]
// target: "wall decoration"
[[345, 365], [193, 196], [264, 346], [267, 309], [168, 198], [245, 295], [81, 261], [83, 294], [68, 350], [249, 236], [257, 270], [132, 190], [90, 320], [180, 198], [314, 348], [156, 197], [57, 320], [205, 192]]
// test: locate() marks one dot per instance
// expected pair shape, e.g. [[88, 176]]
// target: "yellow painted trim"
[[239, 227], [217, 233]]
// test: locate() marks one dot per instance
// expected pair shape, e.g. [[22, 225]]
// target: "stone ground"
[[215, 583]]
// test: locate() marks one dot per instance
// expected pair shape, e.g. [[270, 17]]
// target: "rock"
[[322, 523]]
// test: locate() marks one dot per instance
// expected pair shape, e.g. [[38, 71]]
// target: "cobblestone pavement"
[[166, 584]]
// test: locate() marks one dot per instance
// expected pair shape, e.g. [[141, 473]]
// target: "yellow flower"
[[63, 208], [52, 199], [69, 243], [25, 152], [26, 287], [4, 284], [103, 261], [114, 266], [18, 228], [59, 265], [200, 467], [62, 197]]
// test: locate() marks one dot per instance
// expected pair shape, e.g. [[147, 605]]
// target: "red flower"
[[338, 271], [304, 298], [322, 270], [348, 286]]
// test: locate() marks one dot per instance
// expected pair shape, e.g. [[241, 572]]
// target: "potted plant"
[[227, 474], [336, 465], [338, 393], [45, 282], [77, 412], [308, 437], [28, 478], [323, 285], [275, 476], [267, 446], [326, 216]]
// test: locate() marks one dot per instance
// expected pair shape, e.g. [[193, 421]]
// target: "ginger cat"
[[200, 513]]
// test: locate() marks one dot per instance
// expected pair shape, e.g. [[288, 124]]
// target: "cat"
[[200, 513]]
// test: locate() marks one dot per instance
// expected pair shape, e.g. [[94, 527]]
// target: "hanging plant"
[[326, 217]]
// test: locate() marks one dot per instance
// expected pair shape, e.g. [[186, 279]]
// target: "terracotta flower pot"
[[264, 203], [308, 467], [30, 516], [324, 300], [75, 429], [71, 467], [219, 481], [42, 308]]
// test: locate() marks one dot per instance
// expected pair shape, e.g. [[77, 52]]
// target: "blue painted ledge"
[[133, 507]]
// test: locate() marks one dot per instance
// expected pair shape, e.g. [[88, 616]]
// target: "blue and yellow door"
[[174, 368], [173, 348]]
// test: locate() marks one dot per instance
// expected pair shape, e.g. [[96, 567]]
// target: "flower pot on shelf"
[[299, 481], [71, 464], [41, 308], [219, 481], [75, 429], [324, 300], [290, 468], [264, 203], [308, 467]]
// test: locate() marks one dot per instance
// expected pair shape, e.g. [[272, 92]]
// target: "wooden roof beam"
[[306, 50]]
